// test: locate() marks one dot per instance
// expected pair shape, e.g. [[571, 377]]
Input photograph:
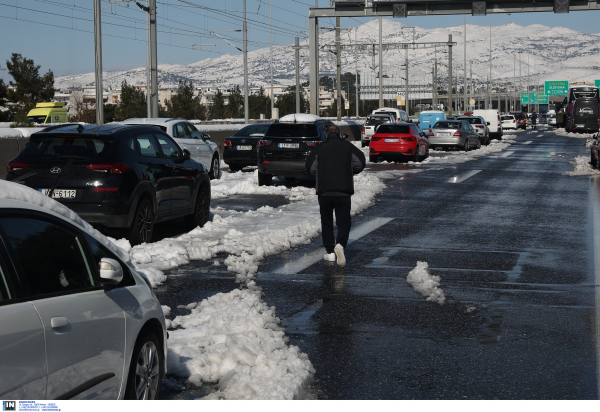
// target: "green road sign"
[[524, 98], [533, 98], [556, 88], [597, 83]]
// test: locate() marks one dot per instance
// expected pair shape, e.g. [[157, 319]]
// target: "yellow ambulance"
[[53, 112]]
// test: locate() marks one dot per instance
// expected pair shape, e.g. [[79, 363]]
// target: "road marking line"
[[463, 177], [540, 135], [506, 154], [293, 267], [528, 142]]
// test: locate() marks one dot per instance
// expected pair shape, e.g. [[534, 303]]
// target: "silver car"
[[78, 322], [453, 133], [187, 136], [551, 119], [480, 126]]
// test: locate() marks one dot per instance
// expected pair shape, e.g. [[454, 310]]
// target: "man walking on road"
[[533, 119], [333, 164]]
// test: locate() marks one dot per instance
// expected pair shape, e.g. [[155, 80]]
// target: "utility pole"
[[520, 84], [153, 61], [356, 80], [471, 77], [148, 80], [338, 56], [380, 62], [98, 48], [435, 86], [246, 109], [297, 74], [449, 75], [272, 96], [407, 101], [465, 77], [490, 78]]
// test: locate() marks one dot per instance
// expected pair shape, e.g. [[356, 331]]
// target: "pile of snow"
[[7, 133], [426, 284], [241, 183], [562, 132], [235, 339], [582, 167]]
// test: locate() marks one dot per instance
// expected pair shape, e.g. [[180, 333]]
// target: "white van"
[[492, 119], [399, 115]]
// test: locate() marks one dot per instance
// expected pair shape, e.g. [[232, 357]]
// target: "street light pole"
[[153, 60], [98, 49], [380, 62], [449, 75], [338, 57], [465, 76], [297, 74], [246, 109], [490, 80], [272, 97]]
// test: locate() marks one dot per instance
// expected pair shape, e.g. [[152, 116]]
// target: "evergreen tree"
[[184, 104], [259, 104], [235, 108], [29, 87], [133, 103], [217, 109], [287, 103], [4, 113]]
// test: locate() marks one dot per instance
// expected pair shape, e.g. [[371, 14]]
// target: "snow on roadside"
[[582, 167], [562, 132], [241, 183], [426, 284], [235, 339]]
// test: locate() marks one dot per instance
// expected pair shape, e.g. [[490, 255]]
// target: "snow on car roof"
[[35, 200], [299, 118]]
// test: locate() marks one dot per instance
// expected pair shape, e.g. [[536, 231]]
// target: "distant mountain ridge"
[[554, 53]]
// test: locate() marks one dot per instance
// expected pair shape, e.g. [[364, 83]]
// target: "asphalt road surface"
[[513, 242]]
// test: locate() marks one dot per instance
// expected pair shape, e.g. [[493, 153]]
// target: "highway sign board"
[[524, 98], [556, 88], [597, 83], [472, 101]]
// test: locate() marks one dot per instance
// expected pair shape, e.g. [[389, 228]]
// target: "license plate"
[[580, 125], [60, 193], [243, 147], [391, 140], [289, 145], [442, 134]]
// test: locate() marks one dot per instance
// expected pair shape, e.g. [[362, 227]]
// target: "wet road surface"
[[513, 242]]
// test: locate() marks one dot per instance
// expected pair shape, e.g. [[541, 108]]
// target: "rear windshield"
[[507, 117], [292, 130], [392, 128], [447, 125], [163, 128], [472, 120], [391, 113], [519, 116], [374, 121], [56, 147], [254, 130]]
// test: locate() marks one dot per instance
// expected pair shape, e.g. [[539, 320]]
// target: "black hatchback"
[[239, 150], [115, 176]]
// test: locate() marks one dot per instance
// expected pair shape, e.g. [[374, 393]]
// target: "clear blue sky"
[[58, 34]]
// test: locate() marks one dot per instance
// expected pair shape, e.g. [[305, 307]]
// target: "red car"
[[398, 142]]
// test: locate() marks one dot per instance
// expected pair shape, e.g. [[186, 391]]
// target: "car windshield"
[[447, 125], [292, 130], [507, 117], [55, 147], [373, 121], [254, 130], [472, 120], [519, 116], [385, 113], [393, 128], [37, 119]]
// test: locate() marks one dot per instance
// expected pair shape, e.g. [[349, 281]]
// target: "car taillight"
[[111, 168], [376, 137], [227, 143], [409, 139], [457, 134], [312, 143], [363, 129], [431, 133], [513, 121], [262, 143], [105, 189], [479, 127], [14, 166]]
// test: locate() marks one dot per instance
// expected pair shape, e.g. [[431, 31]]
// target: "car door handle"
[[58, 322]]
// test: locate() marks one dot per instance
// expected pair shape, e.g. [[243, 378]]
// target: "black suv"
[[284, 148], [239, 150], [115, 176]]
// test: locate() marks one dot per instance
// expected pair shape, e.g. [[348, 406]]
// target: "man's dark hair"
[[333, 130]]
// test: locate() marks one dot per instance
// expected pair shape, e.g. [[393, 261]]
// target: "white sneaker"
[[339, 252], [330, 257]]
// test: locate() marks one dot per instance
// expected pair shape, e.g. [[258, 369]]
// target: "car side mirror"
[[186, 154], [488, 123], [111, 272], [344, 136], [205, 137]]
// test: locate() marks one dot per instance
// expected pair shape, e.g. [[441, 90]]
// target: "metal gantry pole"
[[465, 76], [356, 80], [471, 82], [490, 79], [435, 86], [148, 80], [98, 49], [380, 62], [449, 75], [297, 74], [153, 60], [407, 99], [313, 62], [338, 57], [245, 28], [271, 48]]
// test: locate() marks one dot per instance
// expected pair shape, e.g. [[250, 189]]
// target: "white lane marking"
[[515, 272], [292, 268], [540, 135], [506, 154], [463, 177], [528, 142]]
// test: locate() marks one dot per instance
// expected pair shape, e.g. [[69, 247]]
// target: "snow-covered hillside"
[[554, 53]]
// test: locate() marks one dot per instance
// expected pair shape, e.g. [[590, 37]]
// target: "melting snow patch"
[[235, 339], [426, 284], [582, 167]]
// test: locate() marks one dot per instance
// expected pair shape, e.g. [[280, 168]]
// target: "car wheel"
[[201, 208], [146, 369], [264, 179], [466, 146], [478, 143], [416, 157], [373, 159], [143, 223], [487, 139], [214, 168]]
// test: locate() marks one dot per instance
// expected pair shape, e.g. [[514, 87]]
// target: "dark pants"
[[341, 205]]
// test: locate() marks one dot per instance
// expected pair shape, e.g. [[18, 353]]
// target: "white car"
[[78, 321], [187, 136], [493, 122], [509, 121]]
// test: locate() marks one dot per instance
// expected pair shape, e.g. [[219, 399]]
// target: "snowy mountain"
[[553, 53]]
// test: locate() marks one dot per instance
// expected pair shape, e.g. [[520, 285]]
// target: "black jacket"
[[334, 163]]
